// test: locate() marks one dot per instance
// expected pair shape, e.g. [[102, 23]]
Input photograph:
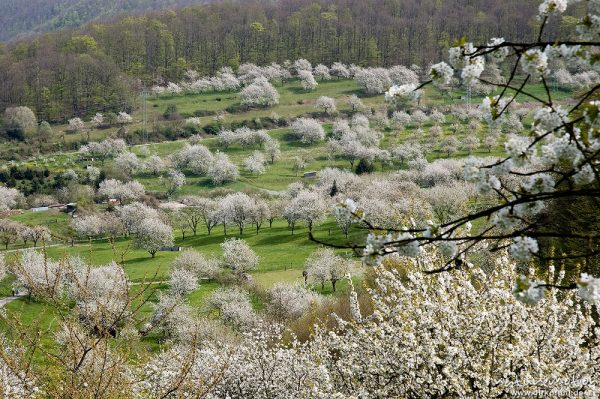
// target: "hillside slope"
[[24, 17], [99, 67]]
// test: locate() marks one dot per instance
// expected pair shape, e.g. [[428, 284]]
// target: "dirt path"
[[7, 300]]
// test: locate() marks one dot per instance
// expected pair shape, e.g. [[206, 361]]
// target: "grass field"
[[282, 254], [294, 102]]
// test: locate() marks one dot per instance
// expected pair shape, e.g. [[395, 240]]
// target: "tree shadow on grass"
[[202, 239], [298, 90], [298, 238]]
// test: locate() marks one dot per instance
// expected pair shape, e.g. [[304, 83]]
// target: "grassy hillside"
[[282, 254], [98, 67], [294, 102]]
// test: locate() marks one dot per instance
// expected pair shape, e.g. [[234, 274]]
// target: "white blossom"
[[20, 117], [327, 104], [128, 163], [308, 130], [527, 291], [76, 125], [405, 91], [9, 198], [500, 53], [373, 80], [307, 80], [255, 163], [340, 70], [441, 73], [124, 192], [182, 282], [588, 288], [238, 256], [124, 118], [523, 248], [152, 235], [174, 181], [535, 62], [448, 249], [322, 72], [259, 93], [519, 150], [222, 170], [552, 7], [539, 183]]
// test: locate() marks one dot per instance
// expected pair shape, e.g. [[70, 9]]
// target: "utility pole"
[[145, 94], [469, 93]]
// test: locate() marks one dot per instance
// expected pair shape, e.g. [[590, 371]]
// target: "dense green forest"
[[100, 66], [23, 17]]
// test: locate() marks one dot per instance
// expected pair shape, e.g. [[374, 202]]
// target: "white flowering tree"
[[452, 327], [237, 208], [470, 143], [124, 118], [302, 64], [9, 231], [547, 172], [97, 120], [450, 145], [199, 265], [200, 209], [109, 148], [101, 294], [373, 80], [309, 206], [326, 104], [259, 93], [401, 119], [308, 130], [307, 80], [89, 226], [255, 163], [243, 136], [273, 150], [20, 118], [322, 72], [153, 234], [234, 307], [289, 301], [76, 125], [37, 234], [355, 103], [154, 165], [128, 163], [402, 75], [324, 265], [339, 70], [222, 170], [182, 282], [9, 198], [38, 275], [174, 181], [195, 158], [122, 191], [239, 257]]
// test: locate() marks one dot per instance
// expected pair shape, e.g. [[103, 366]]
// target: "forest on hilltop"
[[24, 17], [79, 72]]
